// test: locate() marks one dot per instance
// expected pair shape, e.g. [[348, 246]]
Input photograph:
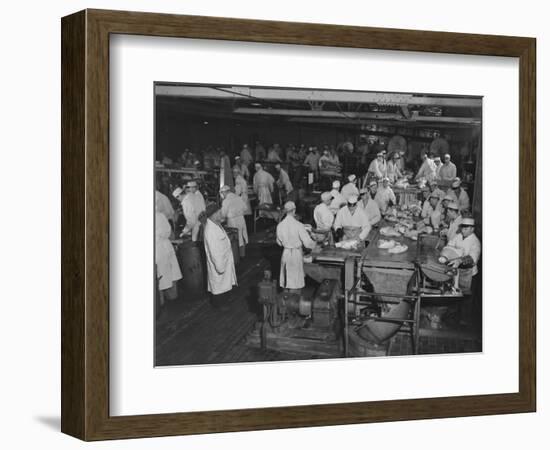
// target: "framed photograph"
[[272, 225]]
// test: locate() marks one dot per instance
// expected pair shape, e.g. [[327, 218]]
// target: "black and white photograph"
[[303, 223]]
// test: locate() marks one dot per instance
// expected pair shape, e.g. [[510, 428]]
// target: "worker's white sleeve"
[[425, 209], [365, 231], [189, 214], [306, 238], [435, 219], [453, 171], [475, 251], [392, 197]]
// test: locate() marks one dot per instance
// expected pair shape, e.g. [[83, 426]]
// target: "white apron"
[[240, 224], [292, 269], [168, 269], [220, 264]]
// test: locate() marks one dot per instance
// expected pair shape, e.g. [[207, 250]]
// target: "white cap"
[[446, 155], [467, 222], [453, 205], [335, 184], [380, 154], [237, 157], [455, 183], [326, 196], [177, 192], [385, 179], [352, 178], [290, 206], [449, 197], [373, 183], [191, 184], [225, 188], [437, 158], [352, 199]]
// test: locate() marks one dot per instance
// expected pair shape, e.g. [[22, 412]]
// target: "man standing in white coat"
[[292, 236], [263, 185], [322, 214], [192, 205], [233, 210], [350, 188], [220, 265], [167, 266], [338, 199]]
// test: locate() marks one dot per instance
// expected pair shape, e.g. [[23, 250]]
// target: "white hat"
[[385, 179], [335, 184], [437, 158], [237, 157], [326, 196], [290, 206], [197, 162], [455, 183], [467, 222], [177, 192], [373, 183], [352, 199], [225, 188], [453, 205], [449, 197], [380, 154], [446, 155], [352, 178], [191, 184], [434, 195]]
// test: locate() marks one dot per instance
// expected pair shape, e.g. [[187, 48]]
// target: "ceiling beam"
[[314, 95], [295, 113]]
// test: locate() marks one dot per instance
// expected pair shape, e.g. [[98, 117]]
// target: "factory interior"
[[407, 282]]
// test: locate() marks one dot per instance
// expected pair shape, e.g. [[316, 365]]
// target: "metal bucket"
[[190, 258]]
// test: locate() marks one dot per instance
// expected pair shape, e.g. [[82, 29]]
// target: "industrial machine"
[[297, 322]]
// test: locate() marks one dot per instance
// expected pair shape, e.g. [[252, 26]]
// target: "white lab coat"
[[358, 219], [383, 197], [348, 190], [168, 269], [470, 246], [241, 189], [284, 182], [233, 209], [337, 201], [378, 168], [292, 235], [323, 217], [463, 200], [371, 209], [427, 170], [163, 205], [454, 228], [263, 186], [394, 171], [220, 264], [192, 205], [447, 171]]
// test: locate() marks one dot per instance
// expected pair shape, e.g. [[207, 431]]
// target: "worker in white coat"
[[233, 209], [431, 213], [241, 189], [427, 169], [378, 166], [351, 221], [192, 205], [369, 205], [322, 214], [448, 169], [292, 235], [168, 269], [350, 188], [220, 265], [455, 219], [385, 195], [283, 183], [338, 199], [263, 185], [460, 195], [163, 205], [468, 242]]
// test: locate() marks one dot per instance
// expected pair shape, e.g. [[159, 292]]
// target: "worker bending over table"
[[351, 221], [369, 205], [322, 214], [292, 236]]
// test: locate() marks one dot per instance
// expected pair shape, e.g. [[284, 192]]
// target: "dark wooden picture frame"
[[85, 224]]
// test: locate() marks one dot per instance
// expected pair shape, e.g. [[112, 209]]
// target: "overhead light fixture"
[[256, 104], [205, 122]]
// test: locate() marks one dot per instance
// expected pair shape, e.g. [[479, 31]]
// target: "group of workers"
[[345, 212]]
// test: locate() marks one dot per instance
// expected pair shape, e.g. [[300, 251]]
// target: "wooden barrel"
[[191, 260], [233, 234]]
